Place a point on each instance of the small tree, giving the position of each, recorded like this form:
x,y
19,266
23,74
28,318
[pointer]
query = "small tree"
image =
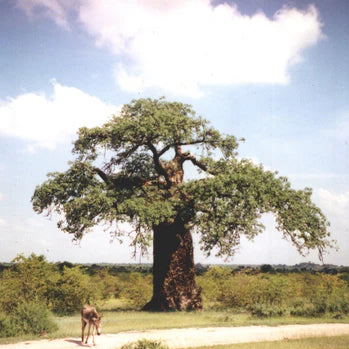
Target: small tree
x,y
73,290
28,280
132,169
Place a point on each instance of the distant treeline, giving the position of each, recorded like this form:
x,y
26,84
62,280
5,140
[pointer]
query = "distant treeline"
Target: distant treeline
x,y
145,268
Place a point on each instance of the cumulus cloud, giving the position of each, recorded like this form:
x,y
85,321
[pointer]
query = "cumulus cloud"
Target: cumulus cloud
x,y
47,121
183,46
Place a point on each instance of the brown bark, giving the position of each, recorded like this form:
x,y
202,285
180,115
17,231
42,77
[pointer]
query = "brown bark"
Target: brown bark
x,y
174,286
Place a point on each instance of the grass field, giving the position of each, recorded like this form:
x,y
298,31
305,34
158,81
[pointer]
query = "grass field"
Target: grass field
x,y
340,342
114,322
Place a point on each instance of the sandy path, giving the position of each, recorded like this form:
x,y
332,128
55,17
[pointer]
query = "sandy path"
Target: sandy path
x,y
194,337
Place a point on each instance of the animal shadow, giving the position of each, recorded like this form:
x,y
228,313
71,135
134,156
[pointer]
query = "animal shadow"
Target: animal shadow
x,y
77,342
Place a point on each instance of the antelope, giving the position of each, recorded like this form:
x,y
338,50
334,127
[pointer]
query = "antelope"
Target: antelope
x,y
90,316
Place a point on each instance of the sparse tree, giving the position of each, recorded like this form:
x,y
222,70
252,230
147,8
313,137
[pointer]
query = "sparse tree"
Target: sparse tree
x,y
134,169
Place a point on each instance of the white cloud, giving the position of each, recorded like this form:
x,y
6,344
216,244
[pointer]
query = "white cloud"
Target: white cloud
x,y
55,9
336,207
48,121
185,45
336,204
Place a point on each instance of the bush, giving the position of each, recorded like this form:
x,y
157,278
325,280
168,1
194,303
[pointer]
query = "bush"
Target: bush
x,y
265,294
307,310
144,344
136,288
262,310
6,327
73,290
27,280
33,279
28,318
109,285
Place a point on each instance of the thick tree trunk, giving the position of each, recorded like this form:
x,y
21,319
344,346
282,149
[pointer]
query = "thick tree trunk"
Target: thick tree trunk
x,y
174,286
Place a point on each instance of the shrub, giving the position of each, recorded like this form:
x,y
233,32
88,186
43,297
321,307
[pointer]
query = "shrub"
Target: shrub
x,y
262,310
109,285
27,280
266,294
136,288
307,310
33,318
28,318
6,327
72,291
144,344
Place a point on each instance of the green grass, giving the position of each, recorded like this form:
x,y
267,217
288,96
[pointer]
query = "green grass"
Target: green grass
x,y
339,342
119,321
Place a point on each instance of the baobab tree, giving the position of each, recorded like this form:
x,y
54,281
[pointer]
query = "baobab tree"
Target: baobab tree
x,y
133,169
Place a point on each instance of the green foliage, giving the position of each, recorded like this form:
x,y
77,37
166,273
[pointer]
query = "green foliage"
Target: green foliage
x,y
262,310
6,327
33,279
145,344
109,285
131,169
28,280
345,277
27,318
136,288
307,294
72,291
264,295
33,318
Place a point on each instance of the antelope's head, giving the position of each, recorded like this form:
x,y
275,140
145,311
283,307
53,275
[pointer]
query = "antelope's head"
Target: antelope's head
x,y
98,323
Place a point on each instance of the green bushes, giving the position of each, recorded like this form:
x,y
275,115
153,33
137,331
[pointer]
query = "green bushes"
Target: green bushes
x,y
72,290
263,310
144,344
33,318
28,280
33,279
27,318
265,294
6,328
32,287
136,289
243,290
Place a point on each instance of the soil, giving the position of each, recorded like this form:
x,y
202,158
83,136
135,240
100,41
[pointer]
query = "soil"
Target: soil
x,y
193,337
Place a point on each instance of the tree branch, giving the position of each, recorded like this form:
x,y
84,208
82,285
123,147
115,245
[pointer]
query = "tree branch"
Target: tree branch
x,y
158,165
196,162
128,152
179,144
102,175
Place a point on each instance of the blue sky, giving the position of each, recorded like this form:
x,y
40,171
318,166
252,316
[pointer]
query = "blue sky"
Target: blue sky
x,y
273,72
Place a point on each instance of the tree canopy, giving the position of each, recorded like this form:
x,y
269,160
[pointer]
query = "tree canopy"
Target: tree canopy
x,y
132,169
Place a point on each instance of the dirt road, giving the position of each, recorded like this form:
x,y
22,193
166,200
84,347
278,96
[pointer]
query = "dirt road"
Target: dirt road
x,y
194,337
